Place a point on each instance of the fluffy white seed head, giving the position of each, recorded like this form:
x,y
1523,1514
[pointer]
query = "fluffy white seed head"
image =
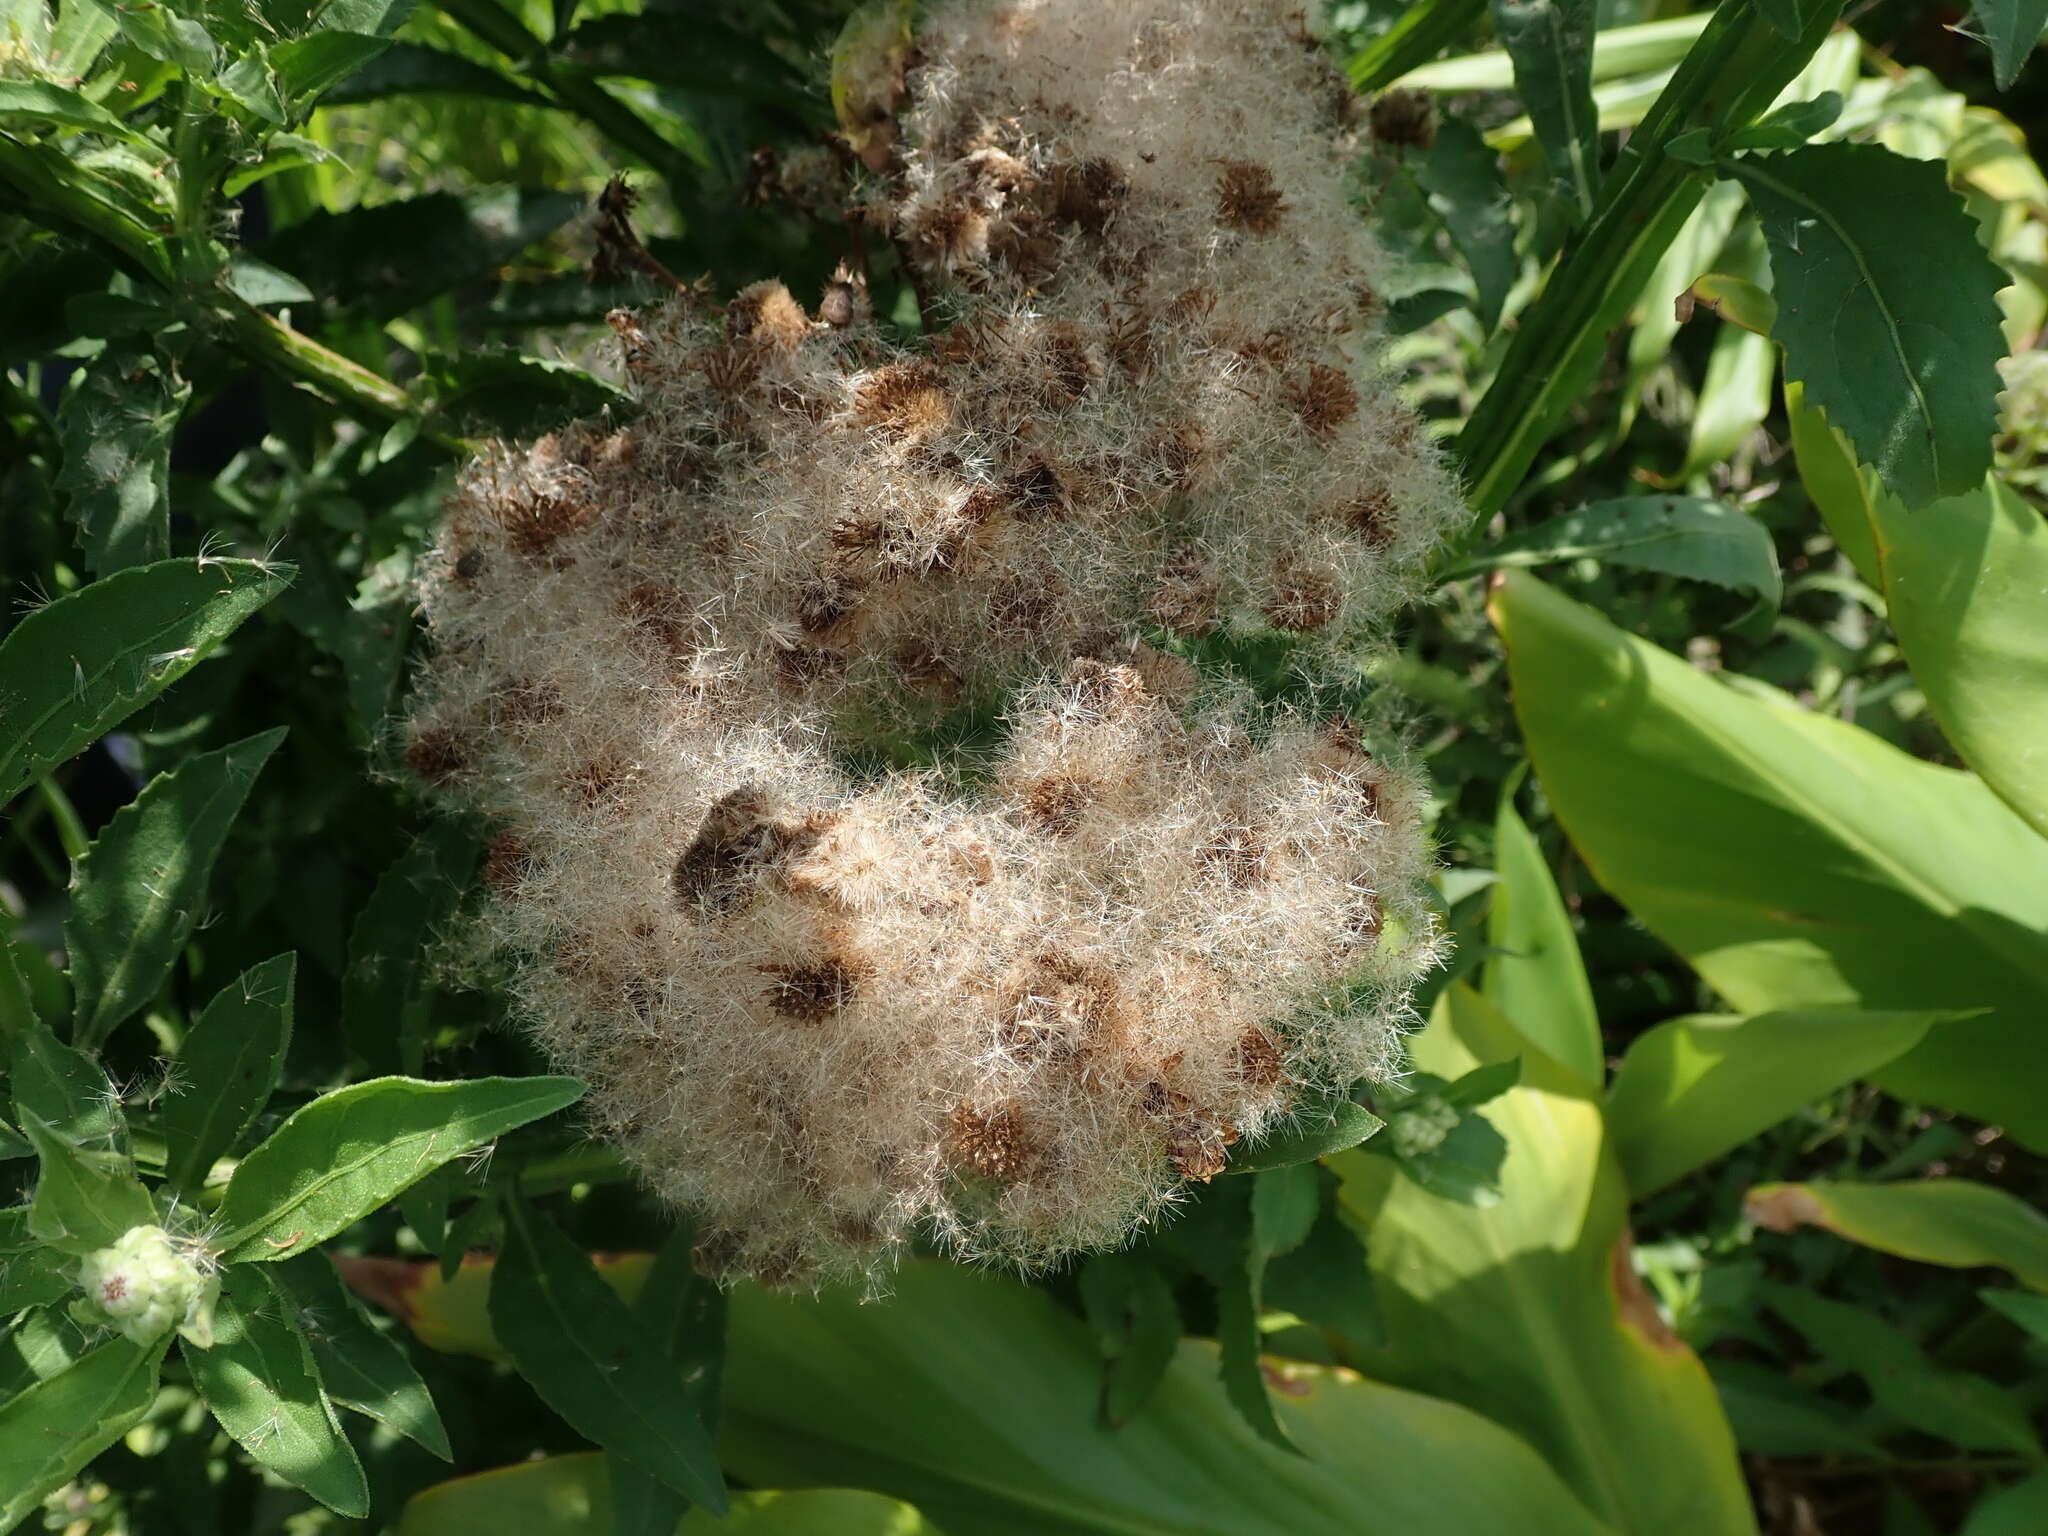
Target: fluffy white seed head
x,y
865,846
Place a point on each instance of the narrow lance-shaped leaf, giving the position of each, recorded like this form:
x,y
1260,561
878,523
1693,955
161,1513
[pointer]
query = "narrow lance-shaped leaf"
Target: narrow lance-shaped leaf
x,y
1535,975
227,1069
360,1368
140,889
73,670
1936,1221
260,1382
1551,43
348,1152
381,994
116,427
683,1317
575,1342
1906,367
49,1432
1462,177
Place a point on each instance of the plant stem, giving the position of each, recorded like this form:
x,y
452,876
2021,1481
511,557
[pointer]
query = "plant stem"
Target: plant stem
x,y
70,828
269,341
1731,75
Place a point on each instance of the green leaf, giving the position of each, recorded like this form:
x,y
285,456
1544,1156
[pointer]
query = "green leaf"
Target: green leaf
x,y
2019,1510
1907,368
1791,17
1936,1221
1318,1126
307,67
573,1339
140,889
1551,43
359,1367
697,53
63,1087
49,1432
260,1382
34,1278
85,1199
43,102
1795,861
1535,975
1419,33
76,668
1775,1415
1029,1458
1962,581
1734,398
1965,1410
259,283
1462,177
348,1152
1790,126
1528,1310
1686,536
574,1496
510,392
228,1066
413,69
683,1315
1696,1087
2023,1307
1325,1281
383,995
1130,1307
2012,28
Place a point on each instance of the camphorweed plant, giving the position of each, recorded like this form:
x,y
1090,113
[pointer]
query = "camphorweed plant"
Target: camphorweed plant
x,y
1011,998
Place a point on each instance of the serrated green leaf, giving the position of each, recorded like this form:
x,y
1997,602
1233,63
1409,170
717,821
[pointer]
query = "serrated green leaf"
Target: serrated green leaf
x,y
1551,44
359,1367
63,1087
260,1382
49,1432
1907,368
1955,1222
74,669
116,427
1325,1281
382,993
1136,1322
577,1344
34,1279
1682,535
228,1066
1965,1410
1465,186
1284,1206
1694,1088
140,889
309,65
2013,29
85,1198
348,1152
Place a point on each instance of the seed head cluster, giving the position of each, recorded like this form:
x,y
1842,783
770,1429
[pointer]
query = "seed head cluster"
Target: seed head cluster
x,y
870,843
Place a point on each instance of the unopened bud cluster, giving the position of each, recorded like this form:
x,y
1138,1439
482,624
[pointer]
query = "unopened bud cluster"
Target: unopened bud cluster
x,y
869,844
144,1285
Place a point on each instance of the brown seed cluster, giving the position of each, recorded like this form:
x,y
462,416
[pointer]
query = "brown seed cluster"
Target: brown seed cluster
x,y
1012,995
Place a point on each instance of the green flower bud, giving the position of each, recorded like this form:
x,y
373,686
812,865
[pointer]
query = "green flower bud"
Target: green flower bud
x,y
145,1285
1420,1128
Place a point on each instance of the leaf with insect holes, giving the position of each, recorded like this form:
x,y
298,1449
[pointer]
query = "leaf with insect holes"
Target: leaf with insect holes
x,y
75,668
139,890
228,1066
1905,365
50,1431
585,1354
85,1199
360,1367
116,427
260,1382
340,1157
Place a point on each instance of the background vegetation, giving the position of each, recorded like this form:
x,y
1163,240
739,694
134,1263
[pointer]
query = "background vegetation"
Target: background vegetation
x,y
1713,1202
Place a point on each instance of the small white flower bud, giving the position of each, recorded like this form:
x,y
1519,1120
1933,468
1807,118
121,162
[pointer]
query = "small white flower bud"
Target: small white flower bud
x,y
145,1285
1418,1129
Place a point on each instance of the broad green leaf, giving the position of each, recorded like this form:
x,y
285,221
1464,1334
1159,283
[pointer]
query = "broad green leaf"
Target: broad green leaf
x,y
1907,368
1734,398
34,1278
1534,975
348,1152
40,102
1937,1221
359,1367
74,669
116,426
2012,28
1319,1126
896,1397
1463,179
2018,1510
383,997
140,889
1963,583
260,1382
64,1088
572,1496
85,1199
1965,1410
227,1067
1130,1307
1325,1281
408,69
1686,536
49,1432
306,67
1528,1310
1551,44
581,1350
1696,1087
682,1316
1795,861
